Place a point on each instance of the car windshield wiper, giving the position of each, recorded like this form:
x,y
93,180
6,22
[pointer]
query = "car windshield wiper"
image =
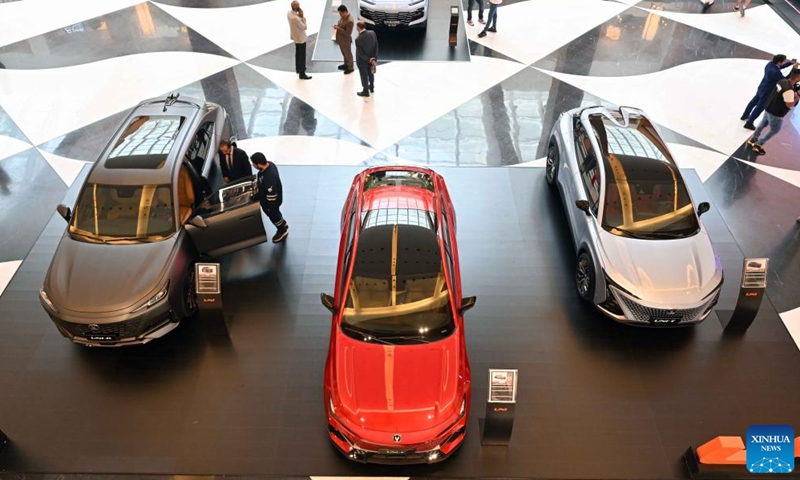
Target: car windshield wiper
x,y
627,232
90,239
419,338
127,239
367,337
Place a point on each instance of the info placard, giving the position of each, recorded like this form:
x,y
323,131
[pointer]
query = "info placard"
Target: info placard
x,y
207,278
502,386
754,273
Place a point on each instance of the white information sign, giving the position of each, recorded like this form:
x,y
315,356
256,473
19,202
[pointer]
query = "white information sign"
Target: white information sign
x,y
207,278
502,386
754,274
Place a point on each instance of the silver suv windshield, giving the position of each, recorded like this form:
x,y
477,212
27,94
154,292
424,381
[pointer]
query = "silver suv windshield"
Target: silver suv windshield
x,y
645,195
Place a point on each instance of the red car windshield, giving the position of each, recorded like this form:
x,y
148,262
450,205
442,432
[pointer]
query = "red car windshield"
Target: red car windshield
x,y
398,293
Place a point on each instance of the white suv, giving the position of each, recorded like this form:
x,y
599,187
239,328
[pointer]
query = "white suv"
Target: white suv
x,y
394,14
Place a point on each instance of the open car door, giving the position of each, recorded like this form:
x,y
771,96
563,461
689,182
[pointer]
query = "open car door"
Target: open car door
x,y
228,220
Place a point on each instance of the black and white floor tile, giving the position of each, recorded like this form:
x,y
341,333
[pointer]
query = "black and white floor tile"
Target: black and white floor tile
x,y
74,67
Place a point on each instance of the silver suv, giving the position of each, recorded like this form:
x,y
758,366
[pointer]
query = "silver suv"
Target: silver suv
x,y
644,257
123,272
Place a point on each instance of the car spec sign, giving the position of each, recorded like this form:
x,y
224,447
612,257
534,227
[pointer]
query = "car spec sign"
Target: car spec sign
x,y
207,278
754,274
502,386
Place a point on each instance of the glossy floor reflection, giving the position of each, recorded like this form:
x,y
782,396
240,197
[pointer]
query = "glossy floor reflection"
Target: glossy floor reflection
x,y
251,404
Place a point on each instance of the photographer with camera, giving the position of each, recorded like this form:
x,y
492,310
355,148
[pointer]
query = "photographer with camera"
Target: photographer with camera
x,y
782,99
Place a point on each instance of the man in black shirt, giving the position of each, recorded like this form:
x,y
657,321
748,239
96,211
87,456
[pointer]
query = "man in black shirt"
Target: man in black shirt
x,y
366,58
782,99
270,194
233,162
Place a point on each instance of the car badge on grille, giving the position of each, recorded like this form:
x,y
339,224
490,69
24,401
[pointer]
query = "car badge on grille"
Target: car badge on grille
x,y
671,312
397,438
94,327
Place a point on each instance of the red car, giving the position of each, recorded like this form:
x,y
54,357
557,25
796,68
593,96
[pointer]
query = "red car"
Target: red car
x,y
397,379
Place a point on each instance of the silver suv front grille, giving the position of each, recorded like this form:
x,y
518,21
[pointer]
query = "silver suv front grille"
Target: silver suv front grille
x,y
661,316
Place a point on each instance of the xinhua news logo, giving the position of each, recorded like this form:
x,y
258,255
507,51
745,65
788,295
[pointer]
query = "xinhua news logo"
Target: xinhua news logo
x,y
770,449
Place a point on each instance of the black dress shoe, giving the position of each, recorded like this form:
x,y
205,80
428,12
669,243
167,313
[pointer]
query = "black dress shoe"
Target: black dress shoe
x,y
363,94
342,67
482,34
491,29
744,117
749,126
305,77
372,89
348,72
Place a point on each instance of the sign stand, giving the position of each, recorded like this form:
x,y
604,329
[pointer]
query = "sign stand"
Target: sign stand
x,y
209,298
754,283
454,18
499,420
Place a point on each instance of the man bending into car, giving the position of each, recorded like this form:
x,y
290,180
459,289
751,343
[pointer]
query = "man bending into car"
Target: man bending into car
x,y
270,194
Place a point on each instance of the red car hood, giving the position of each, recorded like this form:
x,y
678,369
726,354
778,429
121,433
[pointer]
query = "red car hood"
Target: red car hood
x,y
398,389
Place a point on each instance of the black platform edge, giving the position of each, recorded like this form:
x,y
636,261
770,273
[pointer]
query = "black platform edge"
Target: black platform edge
x,y
700,471
787,10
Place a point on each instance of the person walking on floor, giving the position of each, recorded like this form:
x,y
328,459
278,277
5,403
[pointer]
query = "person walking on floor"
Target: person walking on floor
x,y
233,162
480,11
366,58
741,8
297,31
772,75
270,194
782,99
344,38
491,20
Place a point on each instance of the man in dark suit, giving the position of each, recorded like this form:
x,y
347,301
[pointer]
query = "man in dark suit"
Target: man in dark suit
x,y
234,162
366,58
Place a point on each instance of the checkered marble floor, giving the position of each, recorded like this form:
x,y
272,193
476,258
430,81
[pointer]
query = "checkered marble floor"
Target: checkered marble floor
x,y
73,68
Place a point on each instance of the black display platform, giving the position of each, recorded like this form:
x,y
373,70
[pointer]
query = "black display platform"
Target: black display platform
x,y
425,45
596,399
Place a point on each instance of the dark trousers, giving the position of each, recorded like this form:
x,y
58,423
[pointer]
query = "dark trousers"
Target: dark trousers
x,y
491,20
755,107
273,211
367,78
300,58
480,9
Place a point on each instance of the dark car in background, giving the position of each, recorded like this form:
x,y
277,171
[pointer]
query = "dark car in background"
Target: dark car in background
x,y
123,272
